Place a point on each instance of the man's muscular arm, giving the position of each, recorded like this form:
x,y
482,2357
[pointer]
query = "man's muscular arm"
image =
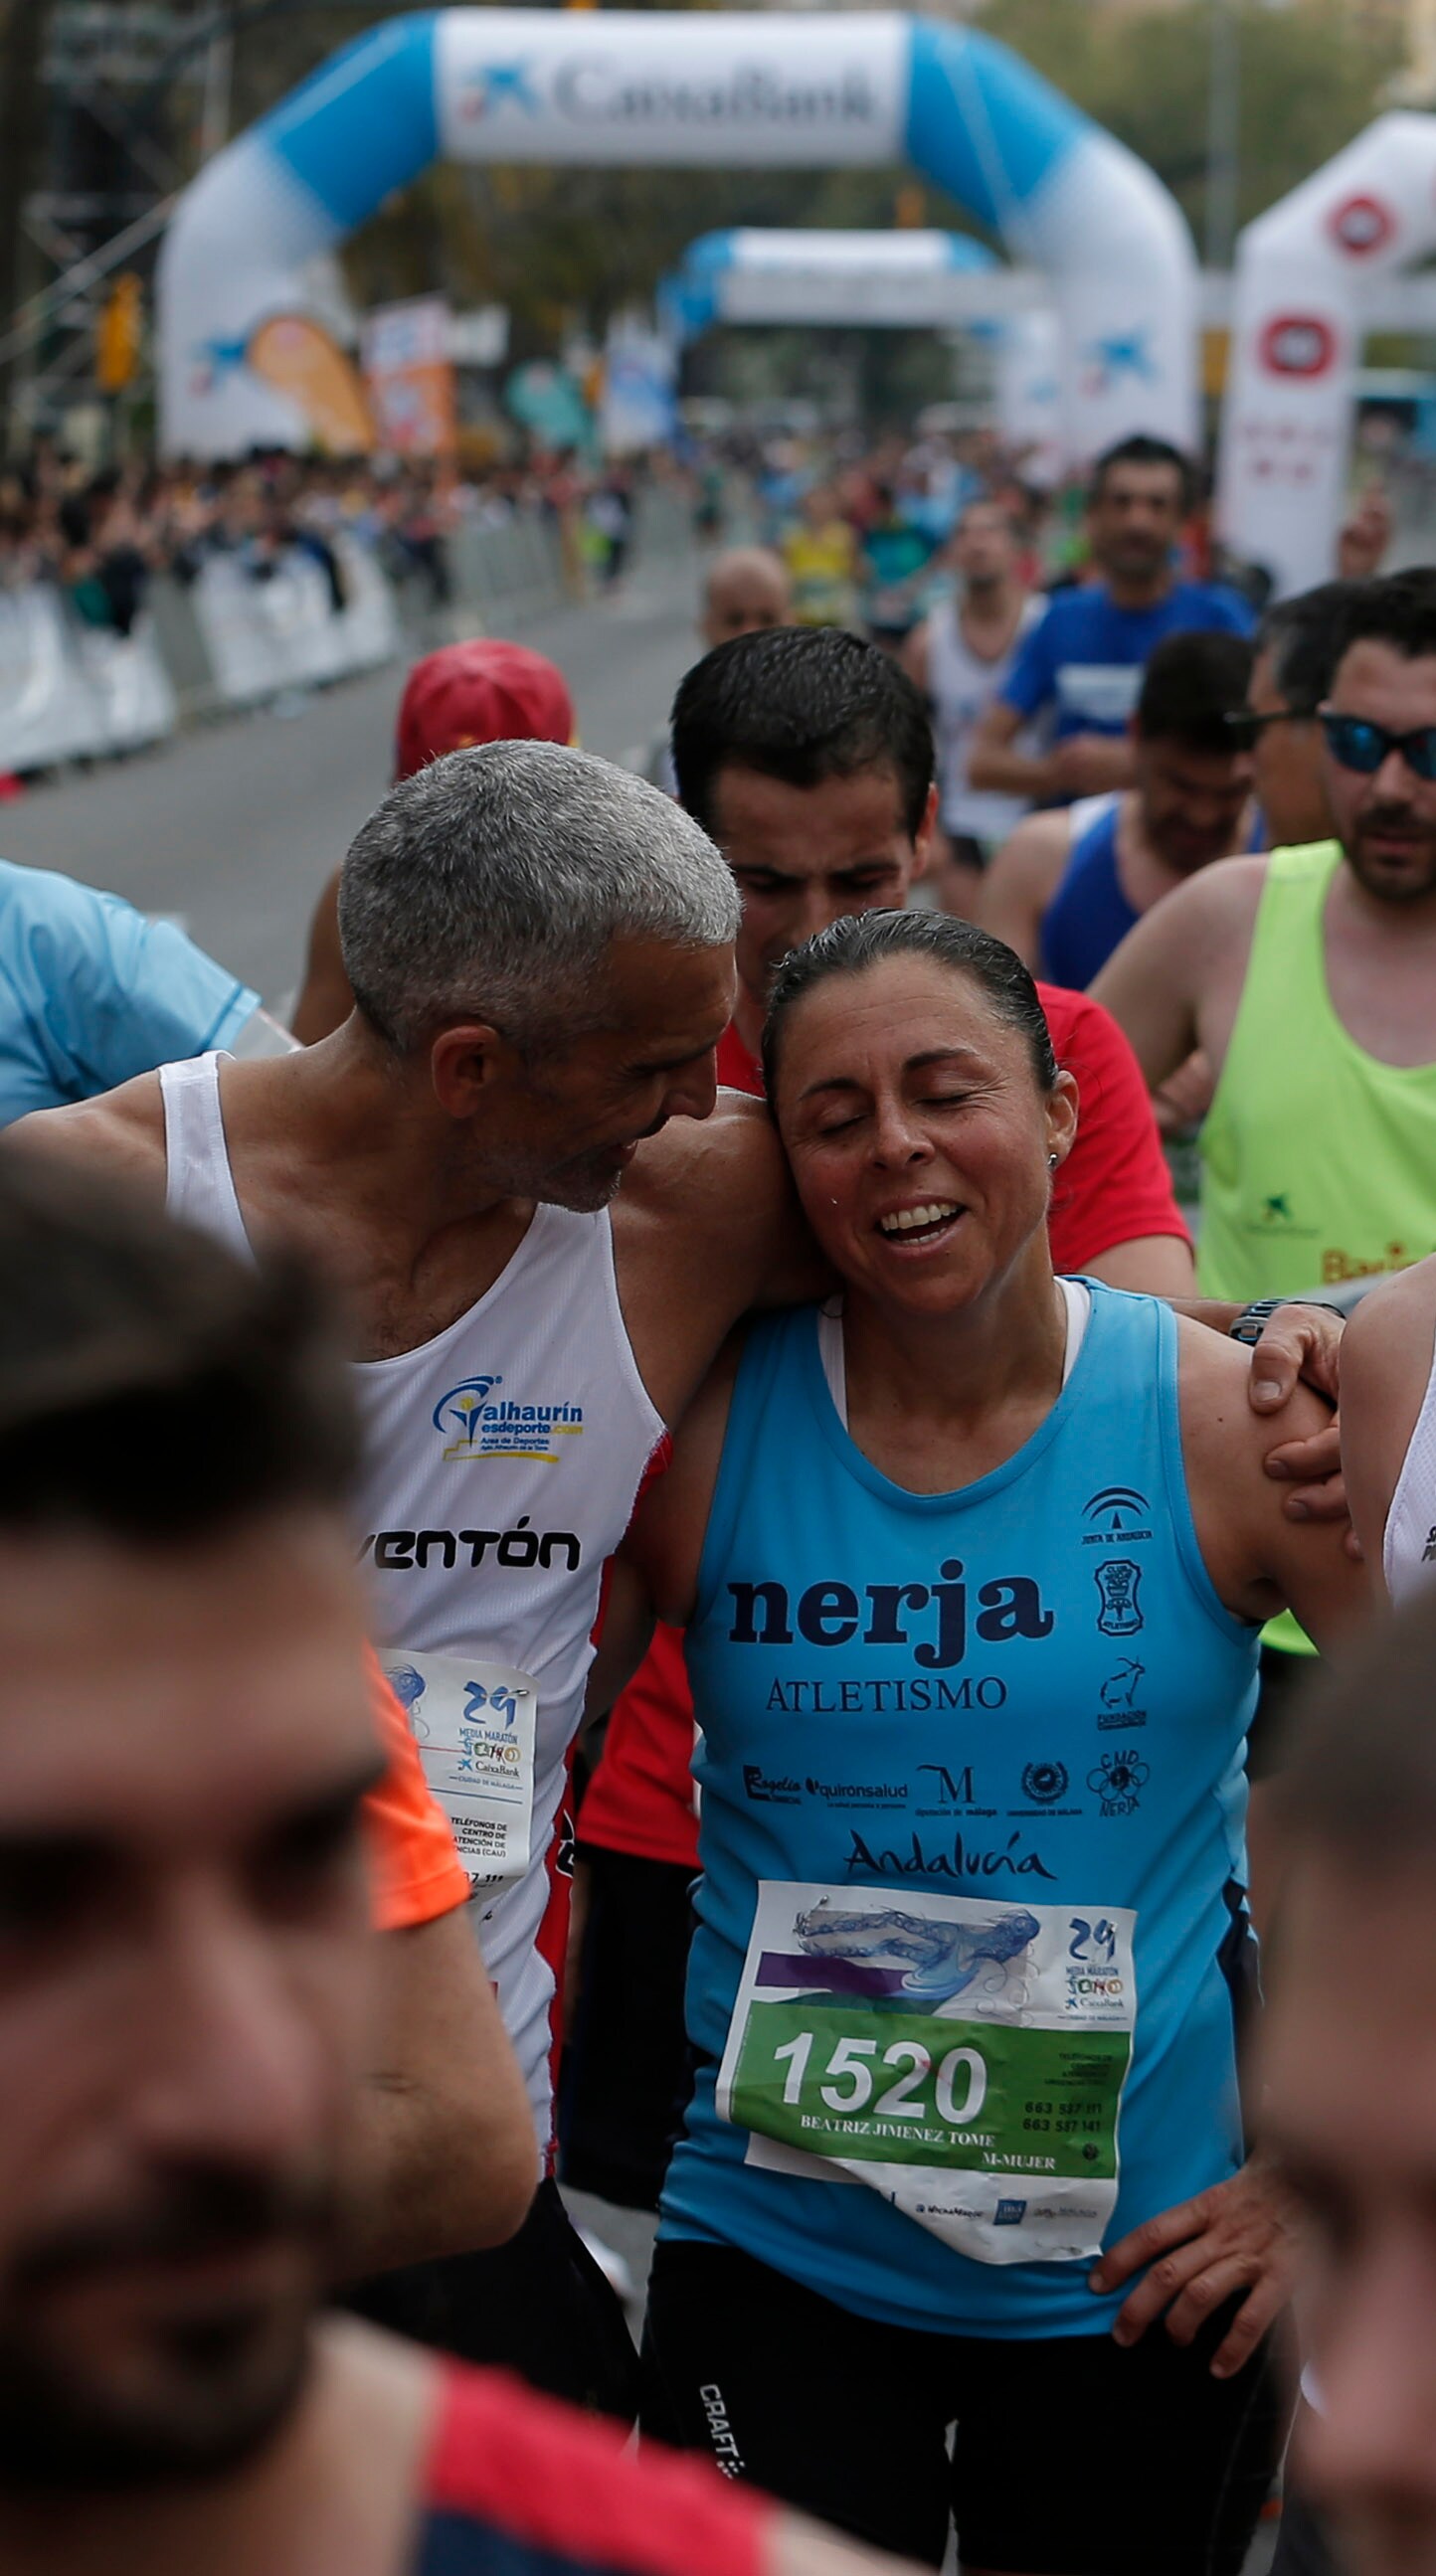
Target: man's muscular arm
x,y
706,1226
122,1132
1260,1559
1161,984
443,2157
1386,1360
1022,880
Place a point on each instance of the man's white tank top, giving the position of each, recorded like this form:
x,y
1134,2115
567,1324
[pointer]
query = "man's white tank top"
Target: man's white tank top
x,y
962,687
1408,1546
502,1460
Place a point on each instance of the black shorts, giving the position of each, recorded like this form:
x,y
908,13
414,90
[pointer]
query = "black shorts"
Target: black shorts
x,y
626,2070
1072,2456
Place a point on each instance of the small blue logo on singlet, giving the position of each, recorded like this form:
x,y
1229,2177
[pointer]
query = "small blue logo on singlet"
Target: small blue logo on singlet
x,y
476,1424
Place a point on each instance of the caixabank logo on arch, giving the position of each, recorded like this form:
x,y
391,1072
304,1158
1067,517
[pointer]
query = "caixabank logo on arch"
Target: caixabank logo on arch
x,y
476,1420
529,85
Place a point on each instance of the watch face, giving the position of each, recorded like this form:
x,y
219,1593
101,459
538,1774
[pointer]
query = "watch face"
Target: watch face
x,y
1252,1321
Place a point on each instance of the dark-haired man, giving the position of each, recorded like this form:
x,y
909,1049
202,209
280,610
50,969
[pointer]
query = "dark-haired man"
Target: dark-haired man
x,y
187,1974
1081,667
1068,886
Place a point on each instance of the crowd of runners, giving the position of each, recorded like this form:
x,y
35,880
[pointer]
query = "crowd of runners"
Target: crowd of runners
x,y
686,1377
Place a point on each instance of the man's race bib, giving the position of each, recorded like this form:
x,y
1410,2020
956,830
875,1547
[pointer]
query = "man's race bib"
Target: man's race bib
x,y
964,2058
474,1726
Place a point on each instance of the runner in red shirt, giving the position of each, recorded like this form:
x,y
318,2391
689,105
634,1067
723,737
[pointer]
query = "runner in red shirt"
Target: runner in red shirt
x,y
808,757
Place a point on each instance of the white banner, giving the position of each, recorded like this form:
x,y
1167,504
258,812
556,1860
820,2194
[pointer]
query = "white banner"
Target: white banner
x,y
625,86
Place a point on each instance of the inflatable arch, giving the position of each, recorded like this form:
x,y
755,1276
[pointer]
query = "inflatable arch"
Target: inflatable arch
x,y
648,88
892,280
1302,280
897,280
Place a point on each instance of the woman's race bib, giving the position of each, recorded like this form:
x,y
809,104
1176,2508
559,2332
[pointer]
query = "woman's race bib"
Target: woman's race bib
x,y
474,1726
963,2057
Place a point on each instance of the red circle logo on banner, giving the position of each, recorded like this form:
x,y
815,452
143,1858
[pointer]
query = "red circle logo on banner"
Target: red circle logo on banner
x,y
1361,225
1297,344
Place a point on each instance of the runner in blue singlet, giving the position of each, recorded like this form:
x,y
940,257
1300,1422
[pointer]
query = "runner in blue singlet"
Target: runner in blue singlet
x,y
972,1569
1068,885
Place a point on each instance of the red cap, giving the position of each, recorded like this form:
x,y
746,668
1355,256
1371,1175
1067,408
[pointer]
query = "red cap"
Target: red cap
x,y
481,691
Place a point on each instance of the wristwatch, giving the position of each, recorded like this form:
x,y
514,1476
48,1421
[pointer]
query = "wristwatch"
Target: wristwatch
x,y
1251,1323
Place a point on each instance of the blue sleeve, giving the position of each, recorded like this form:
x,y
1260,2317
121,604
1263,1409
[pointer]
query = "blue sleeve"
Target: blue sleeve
x,y
91,993
1231,612
1032,681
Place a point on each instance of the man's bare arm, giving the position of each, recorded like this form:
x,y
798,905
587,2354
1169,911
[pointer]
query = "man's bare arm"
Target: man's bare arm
x,y
122,1132
1150,986
1086,764
1386,1366
706,1226
1175,981
1151,1265
445,2159
1022,880
1260,1558
326,997
992,762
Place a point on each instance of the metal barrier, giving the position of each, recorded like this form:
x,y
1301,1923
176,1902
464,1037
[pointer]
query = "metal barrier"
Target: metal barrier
x,y
263,637
226,640
68,691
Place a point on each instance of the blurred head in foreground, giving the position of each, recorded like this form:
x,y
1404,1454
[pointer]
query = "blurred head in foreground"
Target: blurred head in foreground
x,y
1351,2069
184,1740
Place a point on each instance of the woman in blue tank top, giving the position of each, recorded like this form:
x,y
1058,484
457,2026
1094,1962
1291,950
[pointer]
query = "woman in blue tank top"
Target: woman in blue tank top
x,y
972,1565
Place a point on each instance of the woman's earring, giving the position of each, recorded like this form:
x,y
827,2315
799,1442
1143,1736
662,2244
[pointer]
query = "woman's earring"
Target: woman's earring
x,y
1052,1162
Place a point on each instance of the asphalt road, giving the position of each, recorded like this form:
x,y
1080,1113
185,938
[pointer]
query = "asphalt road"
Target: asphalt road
x,y
233,827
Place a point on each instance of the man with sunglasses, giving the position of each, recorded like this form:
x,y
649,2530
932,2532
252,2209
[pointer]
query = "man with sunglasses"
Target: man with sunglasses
x,y
1308,975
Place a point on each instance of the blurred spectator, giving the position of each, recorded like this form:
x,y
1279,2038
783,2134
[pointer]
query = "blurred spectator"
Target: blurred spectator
x,y
960,658
820,550
1081,668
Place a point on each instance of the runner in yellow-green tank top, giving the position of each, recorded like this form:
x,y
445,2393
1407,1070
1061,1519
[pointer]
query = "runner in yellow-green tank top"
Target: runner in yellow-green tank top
x,y
1319,1150
1318,1161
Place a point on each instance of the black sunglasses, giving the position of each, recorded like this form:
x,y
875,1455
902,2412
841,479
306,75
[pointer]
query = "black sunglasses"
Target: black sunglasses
x,y
1359,744
1246,727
